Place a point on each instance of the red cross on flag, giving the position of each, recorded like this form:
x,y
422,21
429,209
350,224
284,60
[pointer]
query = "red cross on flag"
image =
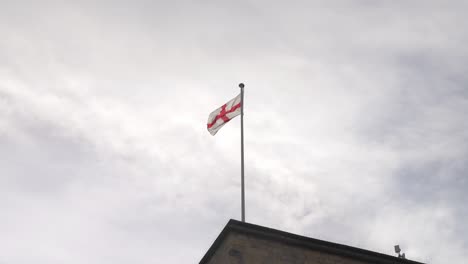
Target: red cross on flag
x,y
219,117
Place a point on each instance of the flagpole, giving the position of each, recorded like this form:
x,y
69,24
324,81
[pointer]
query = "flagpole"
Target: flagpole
x,y
241,86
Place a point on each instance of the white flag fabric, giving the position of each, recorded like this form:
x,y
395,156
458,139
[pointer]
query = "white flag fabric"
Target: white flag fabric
x,y
219,117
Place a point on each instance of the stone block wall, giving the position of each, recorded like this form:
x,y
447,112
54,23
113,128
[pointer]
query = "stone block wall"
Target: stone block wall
x,y
239,248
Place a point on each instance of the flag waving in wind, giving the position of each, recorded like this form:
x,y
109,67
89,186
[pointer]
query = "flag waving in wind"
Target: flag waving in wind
x,y
219,117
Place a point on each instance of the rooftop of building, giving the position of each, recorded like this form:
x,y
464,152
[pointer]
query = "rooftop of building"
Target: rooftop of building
x,y
303,242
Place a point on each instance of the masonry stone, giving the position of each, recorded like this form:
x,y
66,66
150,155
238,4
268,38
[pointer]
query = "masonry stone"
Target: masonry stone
x,y
243,243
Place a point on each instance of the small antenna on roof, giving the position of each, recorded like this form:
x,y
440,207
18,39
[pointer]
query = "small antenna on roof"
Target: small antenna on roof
x,y
398,250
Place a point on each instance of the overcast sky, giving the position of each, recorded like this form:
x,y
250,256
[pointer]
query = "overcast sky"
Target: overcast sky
x,y
355,126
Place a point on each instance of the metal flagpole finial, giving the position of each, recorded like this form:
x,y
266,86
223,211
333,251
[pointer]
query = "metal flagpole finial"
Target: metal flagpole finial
x,y
241,85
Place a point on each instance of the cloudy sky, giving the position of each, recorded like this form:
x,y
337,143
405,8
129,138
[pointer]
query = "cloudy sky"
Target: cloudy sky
x,y
355,126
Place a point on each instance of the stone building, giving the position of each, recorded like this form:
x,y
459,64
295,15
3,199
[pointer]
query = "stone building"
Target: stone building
x,y
244,243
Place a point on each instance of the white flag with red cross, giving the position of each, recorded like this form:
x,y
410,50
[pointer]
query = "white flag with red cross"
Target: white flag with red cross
x,y
219,117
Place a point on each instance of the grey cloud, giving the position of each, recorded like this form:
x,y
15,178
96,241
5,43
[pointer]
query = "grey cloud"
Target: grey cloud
x,y
355,127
